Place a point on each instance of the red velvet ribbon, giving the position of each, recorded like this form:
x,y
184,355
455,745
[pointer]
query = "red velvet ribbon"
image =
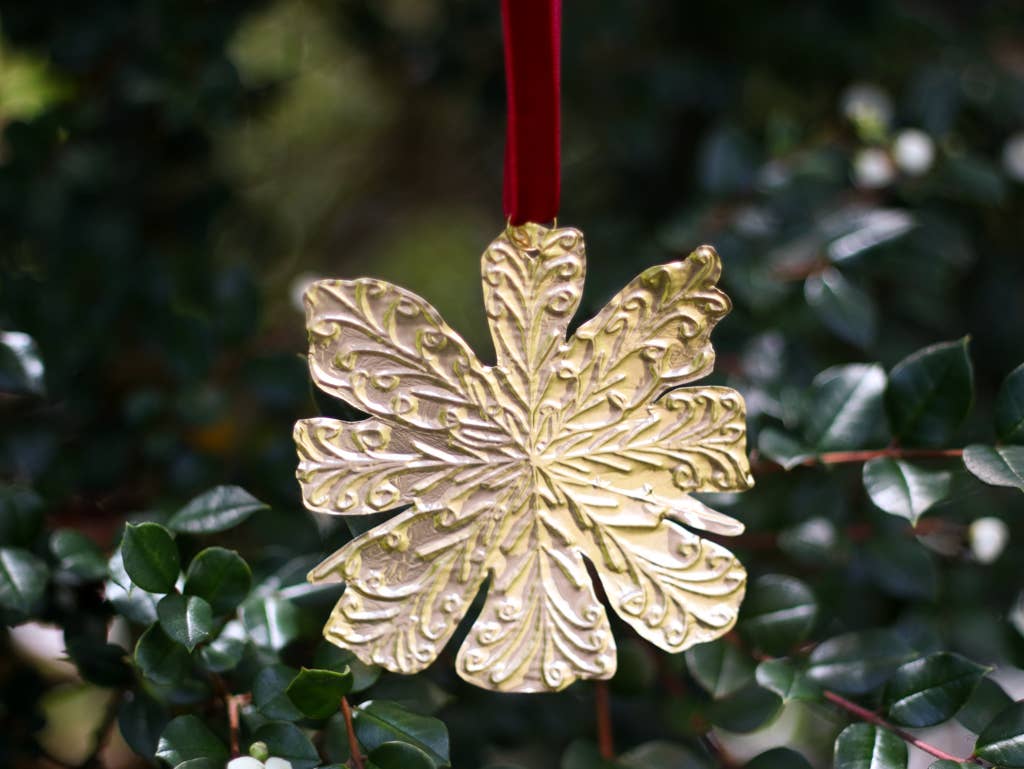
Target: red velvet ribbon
x,y
533,31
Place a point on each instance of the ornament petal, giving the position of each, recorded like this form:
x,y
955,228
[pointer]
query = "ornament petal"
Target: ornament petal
x,y
675,588
541,627
408,583
388,352
652,336
532,281
692,440
369,466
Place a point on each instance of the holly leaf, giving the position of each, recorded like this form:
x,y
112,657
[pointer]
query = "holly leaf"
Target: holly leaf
x,y
216,510
141,720
186,619
1002,741
986,702
270,693
160,659
187,739
931,690
845,408
271,622
900,488
221,577
783,449
846,310
782,677
779,612
317,693
400,755
720,668
288,742
379,721
996,465
866,746
855,663
746,710
150,557
930,394
1009,407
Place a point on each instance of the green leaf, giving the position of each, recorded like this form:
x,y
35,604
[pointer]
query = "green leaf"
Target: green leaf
x,y
1002,741
902,567
130,601
78,555
931,690
778,758
23,579
720,667
187,738
856,663
186,619
330,657
660,754
866,746
99,662
218,509
141,721
160,659
221,577
270,621
1009,408
288,741
930,394
746,710
21,516
779,612
582,754
996,465
782,677
318,693
21,366
270,693
379,721
845,408
900,488
150,557
225,651
845,310
782,448
400,755
986,702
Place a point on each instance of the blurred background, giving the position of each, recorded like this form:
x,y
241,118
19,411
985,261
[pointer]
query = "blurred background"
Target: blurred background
x,y
172,174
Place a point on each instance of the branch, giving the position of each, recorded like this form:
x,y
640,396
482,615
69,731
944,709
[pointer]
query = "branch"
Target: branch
x,y
353,744
910,739
602,703
234,703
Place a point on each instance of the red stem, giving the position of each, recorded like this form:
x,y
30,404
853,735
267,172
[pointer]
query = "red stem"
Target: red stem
x,y
602,704
353,744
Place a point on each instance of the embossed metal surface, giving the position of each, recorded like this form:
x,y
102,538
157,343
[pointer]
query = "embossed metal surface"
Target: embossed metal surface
x,y
519,473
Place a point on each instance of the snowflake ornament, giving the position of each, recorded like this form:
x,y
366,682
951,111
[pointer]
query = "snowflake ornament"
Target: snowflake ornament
x,y
567,451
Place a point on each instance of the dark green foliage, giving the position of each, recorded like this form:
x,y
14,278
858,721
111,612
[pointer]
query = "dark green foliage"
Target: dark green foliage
x,y
171,174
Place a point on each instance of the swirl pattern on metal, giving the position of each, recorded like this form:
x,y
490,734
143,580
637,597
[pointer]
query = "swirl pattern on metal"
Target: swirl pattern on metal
x,y
567,451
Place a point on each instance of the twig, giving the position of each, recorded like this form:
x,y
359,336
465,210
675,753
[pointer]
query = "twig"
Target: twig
x,y
765,465
234,703
353,744
603,707
877,720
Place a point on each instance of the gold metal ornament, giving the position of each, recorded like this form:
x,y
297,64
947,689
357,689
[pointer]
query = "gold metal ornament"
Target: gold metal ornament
x,y
566,451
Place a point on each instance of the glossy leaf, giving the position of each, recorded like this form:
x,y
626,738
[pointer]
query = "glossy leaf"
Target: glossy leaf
x,y
187,620
270,693
287,741
900,488
400,755
931,690
778,613
856,663
270,621
782,677
187,738
379,721
160,659
721,668
99,662
996,465
218,509
151,557
141,720
986,702
78,555
866,746
1009,408
782,448
317,693
1002,741
747,710
930,394
221,577
225,651
901,566
23,579
845,309
330,657
845,408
